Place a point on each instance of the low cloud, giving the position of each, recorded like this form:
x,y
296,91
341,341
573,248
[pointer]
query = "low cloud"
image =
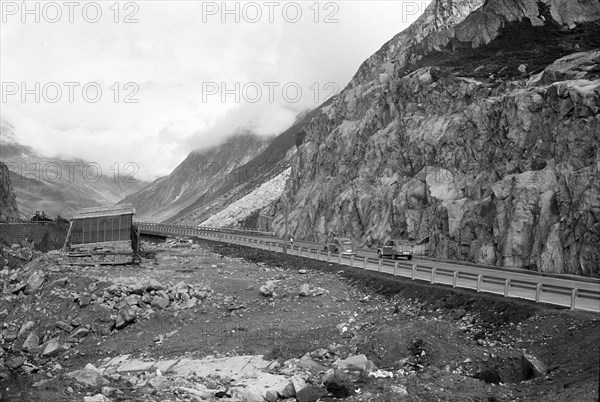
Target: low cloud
x,y
184,74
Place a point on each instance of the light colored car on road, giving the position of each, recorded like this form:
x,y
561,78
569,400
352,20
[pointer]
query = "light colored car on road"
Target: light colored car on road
x,y
395,249
340,245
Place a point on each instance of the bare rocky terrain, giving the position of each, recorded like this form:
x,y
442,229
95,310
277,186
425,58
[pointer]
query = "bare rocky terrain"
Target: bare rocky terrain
x,y
212,321
9,211
476,128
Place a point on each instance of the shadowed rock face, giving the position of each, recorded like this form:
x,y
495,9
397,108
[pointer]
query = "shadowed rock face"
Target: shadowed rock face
x,y
462,129
9,211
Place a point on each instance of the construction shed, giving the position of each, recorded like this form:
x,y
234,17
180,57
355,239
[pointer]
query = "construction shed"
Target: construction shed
x,y
103,235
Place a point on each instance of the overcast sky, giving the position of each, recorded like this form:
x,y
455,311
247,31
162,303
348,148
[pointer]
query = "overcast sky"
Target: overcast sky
x,y
175,58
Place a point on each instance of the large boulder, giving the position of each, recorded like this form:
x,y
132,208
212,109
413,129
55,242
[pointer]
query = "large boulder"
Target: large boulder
x,y
159,302
356,363
304,290
153,284
35,282
32,342
25,329
125,316
53,348
267,289
532,367
89,376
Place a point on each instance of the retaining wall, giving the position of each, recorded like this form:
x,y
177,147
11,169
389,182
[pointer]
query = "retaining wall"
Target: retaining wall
x,y
11,233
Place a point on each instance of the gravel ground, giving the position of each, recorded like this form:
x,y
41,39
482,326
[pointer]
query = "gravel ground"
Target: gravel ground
x,y
306,318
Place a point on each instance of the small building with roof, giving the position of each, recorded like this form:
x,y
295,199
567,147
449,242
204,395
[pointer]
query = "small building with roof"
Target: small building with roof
x,y
103,235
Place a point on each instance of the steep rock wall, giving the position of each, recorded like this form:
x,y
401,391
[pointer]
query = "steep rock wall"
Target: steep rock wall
x,y
9,212
503,172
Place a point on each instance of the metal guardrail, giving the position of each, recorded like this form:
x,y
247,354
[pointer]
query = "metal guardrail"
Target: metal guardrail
x,y
582,295
186,230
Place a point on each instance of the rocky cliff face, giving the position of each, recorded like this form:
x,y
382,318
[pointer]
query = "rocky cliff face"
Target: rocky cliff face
x,y
9,212
477,128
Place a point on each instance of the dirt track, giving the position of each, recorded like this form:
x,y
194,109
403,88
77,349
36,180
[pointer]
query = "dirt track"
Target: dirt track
x,y
434,342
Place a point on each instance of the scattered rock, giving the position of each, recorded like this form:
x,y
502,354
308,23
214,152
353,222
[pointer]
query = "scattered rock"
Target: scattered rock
x,y
153,284
15,363
60,282
381,374
53,348
311,394
267,289
288,391
203,294
108,391
399,389
125,316
336,375
159,302
25,329
31,342
158,382
235,307
84,300
271,396
90,376
533,367
304,290
357,362
35,282
190,303
96,398
298,383
80,333
319,353
64,326
459,313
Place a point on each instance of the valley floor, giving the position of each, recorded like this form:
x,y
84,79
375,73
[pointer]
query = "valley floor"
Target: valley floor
x,y
211,321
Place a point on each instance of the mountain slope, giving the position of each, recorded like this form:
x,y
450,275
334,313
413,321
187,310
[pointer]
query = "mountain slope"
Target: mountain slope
x,y
477,128
199,174
9,211
57,186
268,164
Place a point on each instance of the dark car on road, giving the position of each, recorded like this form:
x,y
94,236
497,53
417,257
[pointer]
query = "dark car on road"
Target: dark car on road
x,y
395,249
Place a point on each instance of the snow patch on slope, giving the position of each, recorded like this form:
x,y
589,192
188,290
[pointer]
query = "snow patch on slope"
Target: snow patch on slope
x,y
245,206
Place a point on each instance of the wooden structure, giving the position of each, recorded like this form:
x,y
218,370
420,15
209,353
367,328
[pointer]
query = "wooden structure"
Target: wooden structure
x,y
103,235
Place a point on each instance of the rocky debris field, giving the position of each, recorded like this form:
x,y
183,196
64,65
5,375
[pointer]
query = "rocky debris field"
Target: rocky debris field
x,y
17,254
207,321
